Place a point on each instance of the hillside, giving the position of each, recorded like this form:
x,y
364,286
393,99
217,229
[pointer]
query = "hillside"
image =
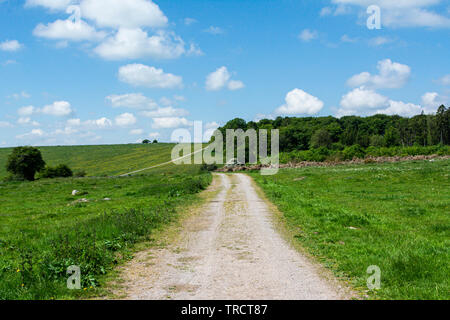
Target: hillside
x,y
100,160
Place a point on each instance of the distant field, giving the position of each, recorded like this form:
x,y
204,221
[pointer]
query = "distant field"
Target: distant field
x,y
101,160
395,216
44,229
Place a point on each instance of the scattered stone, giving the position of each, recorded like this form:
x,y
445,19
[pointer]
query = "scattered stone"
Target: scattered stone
x,y
353,228
107,199
75,192
300,179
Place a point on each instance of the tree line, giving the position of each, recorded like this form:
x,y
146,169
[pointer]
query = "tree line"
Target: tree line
x,y
332,133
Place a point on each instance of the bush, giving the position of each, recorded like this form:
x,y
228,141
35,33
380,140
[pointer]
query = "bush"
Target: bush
x,y
355,151
24,162
60,171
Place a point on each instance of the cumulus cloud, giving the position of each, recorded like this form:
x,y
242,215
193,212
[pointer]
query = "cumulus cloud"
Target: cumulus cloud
x,y
57,109
73,30
170,123
125,119
433,100
300,102
391,75
49,4
220,78
403,13
35,133
379,41
127,14
150,77
10,45
308,35
101,123
136,43
131,100
26,111
362,101
401,108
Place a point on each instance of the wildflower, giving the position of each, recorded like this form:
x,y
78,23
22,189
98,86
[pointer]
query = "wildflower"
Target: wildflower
x,y
18,270
23,285
84,288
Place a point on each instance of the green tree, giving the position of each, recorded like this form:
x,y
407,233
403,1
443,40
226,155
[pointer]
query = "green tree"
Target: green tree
x,y
25,162
155,141
321,138
146,141
392,137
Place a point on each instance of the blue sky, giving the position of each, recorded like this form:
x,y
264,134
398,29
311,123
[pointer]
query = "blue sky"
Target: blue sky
x,y
112,71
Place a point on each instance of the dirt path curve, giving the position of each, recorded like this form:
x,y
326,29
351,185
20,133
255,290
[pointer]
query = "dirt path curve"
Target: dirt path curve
x,y
229,251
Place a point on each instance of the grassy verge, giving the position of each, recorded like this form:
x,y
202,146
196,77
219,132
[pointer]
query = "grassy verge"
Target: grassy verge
x,y
394,216
44,229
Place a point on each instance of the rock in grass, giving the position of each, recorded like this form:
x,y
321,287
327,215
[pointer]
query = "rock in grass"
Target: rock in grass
x,y
75,192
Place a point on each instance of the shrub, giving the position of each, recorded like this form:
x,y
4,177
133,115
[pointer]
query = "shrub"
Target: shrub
x,y
355,151
60,171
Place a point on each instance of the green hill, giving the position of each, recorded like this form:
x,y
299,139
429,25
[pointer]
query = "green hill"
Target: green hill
x,y
101,160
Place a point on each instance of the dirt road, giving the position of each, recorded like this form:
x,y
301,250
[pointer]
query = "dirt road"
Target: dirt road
x,y
231,250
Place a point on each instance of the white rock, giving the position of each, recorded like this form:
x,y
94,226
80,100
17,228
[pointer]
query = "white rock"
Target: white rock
x,y
75,192
107,199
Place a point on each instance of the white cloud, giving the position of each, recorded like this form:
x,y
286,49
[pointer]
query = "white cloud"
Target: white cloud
x,y
136,43
27,121
189,21
165,113
131,100
49,4
154,135
150,77
300,102
221,78
26,111
235,85
5,124
127,14
125,119
391,75
10,45
361,101
326,11
77,30
170,122
20,95
35,133
101,123
215,30
308,35
136,132
379,41
401,108
58,109
432,101
346,38
445,80
404,13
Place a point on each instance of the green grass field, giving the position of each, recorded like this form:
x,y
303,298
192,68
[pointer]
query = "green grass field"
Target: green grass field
x,y
400,219
44,229
100,160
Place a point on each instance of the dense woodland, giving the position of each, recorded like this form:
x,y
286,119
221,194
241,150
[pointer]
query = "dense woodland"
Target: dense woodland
x,y
358,136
